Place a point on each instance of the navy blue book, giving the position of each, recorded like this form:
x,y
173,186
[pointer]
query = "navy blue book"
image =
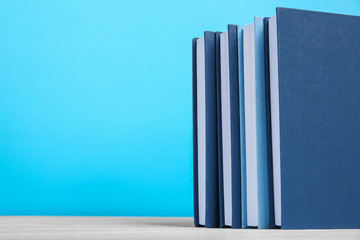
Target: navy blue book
x,y
230,127
235,126
270,217
206,182
315,114
219,131
195,144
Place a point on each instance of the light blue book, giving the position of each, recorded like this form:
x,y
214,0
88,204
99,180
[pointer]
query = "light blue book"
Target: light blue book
x,y
262,144
255,168
240,31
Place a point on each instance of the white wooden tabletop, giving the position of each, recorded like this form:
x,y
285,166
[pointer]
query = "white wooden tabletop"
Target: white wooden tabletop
x,y
145,228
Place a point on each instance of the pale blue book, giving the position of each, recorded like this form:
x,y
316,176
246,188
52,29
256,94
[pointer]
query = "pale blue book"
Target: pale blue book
x,y
258,182
240,31
265,212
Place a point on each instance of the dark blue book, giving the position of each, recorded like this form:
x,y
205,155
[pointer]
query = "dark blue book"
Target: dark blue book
x,y
230,127
195,144
235,126
206,177
219,131
315,112
270,217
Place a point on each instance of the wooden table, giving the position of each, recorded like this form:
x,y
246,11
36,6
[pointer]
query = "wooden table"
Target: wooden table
x,y
145,228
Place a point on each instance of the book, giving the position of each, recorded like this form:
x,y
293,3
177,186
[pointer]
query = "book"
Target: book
x,y
235,127
251,192
315,116
230,127
240,30
270,186
206,176
219,130
195,143
264,182
259,192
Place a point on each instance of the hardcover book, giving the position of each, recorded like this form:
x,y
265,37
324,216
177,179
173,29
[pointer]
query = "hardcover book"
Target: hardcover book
x,y
258,174
315,113
206,184
230,127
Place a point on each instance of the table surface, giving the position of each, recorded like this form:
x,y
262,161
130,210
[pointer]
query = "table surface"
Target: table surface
x,y
30,227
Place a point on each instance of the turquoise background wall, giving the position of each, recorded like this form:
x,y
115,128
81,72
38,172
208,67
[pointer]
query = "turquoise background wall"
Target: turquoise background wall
x,y
95,101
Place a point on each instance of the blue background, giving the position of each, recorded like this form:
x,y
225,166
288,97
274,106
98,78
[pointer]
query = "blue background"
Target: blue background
x,y
95,101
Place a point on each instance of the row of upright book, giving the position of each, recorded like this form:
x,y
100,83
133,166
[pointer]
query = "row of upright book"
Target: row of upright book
x,y
276,123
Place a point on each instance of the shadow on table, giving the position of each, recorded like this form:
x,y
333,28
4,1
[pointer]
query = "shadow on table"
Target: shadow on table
x,y
176,222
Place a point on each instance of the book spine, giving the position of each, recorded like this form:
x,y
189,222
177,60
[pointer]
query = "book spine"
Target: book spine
x,y
212,183
261,129
219,131
268,123
195,143
235,127
242,127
